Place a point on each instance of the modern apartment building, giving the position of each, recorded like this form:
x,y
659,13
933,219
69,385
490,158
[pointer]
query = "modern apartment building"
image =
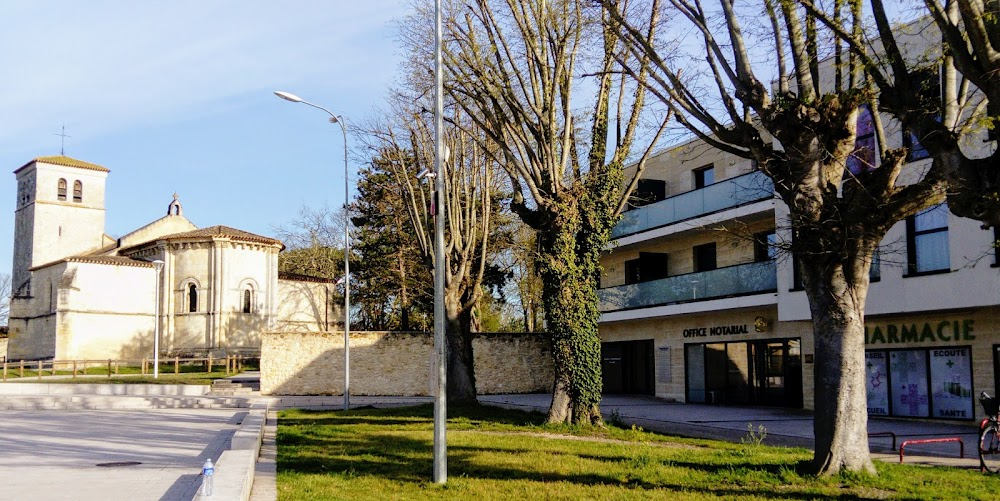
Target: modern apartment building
x,y
697,306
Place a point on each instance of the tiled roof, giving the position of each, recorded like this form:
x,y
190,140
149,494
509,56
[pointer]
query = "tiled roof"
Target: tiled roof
x,y
115,260
66,161
111,260
304,278
224,232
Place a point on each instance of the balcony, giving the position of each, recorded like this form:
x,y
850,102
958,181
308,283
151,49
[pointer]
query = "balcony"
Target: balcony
x,y
739,280
733,192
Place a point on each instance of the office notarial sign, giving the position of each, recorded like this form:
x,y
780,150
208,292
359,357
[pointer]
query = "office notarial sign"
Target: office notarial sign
x,y
920,332
718,330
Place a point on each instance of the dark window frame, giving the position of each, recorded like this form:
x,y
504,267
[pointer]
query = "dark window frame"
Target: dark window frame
x,y
61,190
763,247
700,180
697,251
860,160
77,191
912,234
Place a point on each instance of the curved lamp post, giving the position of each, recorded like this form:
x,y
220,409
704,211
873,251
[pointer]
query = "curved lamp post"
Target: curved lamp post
x,y
334,119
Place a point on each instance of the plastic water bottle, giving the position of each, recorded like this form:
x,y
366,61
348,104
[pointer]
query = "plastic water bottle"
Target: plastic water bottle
x,y
208,474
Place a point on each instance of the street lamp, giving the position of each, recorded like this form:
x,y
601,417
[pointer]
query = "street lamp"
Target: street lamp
x,y
334,119
158,266
440,471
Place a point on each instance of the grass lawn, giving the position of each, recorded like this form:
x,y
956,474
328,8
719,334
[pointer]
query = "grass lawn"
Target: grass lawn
x,y
501,454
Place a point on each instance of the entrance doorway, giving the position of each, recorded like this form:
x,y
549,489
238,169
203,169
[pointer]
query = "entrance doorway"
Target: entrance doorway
x,y
763,372
627,367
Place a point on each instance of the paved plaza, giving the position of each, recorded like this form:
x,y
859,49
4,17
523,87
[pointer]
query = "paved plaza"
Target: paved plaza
x,y
147,454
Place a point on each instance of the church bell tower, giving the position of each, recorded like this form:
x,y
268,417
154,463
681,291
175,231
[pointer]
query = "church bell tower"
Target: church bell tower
x,y
59,213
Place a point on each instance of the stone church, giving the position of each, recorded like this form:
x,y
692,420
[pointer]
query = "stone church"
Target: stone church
x,y
79,294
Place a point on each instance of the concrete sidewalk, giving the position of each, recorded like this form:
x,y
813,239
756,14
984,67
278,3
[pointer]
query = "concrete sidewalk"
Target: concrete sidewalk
x,y
786,427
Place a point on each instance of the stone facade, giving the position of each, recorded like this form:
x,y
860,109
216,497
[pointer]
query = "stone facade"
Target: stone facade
x,y
394,363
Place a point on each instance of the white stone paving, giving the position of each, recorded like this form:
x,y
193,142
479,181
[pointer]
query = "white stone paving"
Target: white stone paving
x,y
53,455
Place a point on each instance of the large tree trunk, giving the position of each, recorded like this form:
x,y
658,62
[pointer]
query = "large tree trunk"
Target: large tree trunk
x,y
461,385
837,291
570,296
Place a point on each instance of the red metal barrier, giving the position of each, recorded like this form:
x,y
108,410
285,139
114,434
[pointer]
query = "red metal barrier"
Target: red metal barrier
x,y
961,444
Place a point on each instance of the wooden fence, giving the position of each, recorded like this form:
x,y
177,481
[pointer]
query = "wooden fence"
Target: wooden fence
x,y
233,364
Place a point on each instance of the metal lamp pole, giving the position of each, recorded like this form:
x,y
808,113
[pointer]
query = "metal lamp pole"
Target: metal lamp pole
x,y
158,266
334,119
440,346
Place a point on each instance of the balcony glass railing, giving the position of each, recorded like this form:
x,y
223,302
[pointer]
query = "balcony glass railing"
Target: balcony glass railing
x,y
726,194
739,280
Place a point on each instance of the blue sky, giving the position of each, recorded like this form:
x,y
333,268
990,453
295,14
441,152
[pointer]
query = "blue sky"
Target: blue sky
x,y
177,96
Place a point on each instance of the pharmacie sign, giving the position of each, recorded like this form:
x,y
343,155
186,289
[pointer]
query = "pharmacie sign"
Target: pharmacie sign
x,y
718,330
920,332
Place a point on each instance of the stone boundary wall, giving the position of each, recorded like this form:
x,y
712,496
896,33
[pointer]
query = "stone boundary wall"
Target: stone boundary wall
x,y
397,363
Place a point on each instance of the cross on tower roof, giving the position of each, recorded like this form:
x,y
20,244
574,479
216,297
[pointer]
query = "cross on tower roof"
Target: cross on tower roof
x,y
62,145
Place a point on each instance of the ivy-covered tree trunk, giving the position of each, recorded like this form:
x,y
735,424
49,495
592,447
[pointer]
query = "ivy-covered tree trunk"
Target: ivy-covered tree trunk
x,y
569,265
461,384
570,299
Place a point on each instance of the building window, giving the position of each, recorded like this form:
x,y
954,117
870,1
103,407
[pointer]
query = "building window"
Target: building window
x,y
765,246
192,293
646,192
704,257
247,301
927,241
77,191
704,176
915,150
875,270
649,266
864,158
61,190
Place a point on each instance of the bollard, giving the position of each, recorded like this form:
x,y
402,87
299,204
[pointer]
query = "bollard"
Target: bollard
x,y
109,367
116,367
39,369
74,368
5,371
177,364
22,368
143,366
209,363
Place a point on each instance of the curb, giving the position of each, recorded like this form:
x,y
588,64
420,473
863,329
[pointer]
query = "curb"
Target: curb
x,y
235,468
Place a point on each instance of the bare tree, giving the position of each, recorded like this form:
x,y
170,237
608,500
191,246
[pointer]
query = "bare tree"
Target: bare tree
x,y
517,68
314,243
801,132
403,144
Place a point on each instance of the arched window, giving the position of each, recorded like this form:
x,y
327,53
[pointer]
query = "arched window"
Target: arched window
x,y
77,191
247,301
61,190
192,298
